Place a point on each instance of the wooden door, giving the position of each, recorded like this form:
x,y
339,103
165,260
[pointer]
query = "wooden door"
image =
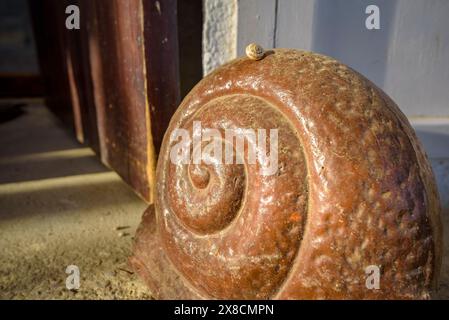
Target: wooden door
x,y
116,79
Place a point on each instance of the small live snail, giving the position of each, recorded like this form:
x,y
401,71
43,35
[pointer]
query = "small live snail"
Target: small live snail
x,y
254,51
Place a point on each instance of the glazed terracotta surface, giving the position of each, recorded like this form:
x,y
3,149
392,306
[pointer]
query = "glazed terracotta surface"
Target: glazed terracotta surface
x,y
353,189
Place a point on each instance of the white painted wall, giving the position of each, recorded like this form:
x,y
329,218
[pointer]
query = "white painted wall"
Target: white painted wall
x,y
219,33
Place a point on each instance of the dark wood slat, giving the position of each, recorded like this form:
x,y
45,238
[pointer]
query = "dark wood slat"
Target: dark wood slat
x,y
20,86
82,86
162,63
190,24
118,70
48,19
117,79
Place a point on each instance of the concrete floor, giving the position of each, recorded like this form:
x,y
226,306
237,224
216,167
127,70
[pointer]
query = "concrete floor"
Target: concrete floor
x,y
59,206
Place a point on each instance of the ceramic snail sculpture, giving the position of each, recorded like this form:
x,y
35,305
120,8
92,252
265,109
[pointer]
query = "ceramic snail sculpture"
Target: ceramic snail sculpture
x,y
353,191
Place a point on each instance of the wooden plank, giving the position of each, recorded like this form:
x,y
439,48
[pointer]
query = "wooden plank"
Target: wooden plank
x,y
20,85
48,21
80,76
162,63
190,23
118,75
73,76
119,89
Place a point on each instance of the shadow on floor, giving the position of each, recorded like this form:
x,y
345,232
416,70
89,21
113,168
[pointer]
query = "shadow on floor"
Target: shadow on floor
x,y
34,147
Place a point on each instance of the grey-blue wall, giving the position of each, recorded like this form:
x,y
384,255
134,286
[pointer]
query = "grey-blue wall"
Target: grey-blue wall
x,y
408,57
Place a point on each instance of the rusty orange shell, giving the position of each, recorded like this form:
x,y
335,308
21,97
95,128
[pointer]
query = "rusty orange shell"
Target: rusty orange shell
x,y
353,189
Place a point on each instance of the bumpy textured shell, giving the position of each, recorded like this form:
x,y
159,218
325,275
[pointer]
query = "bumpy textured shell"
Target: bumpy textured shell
x,y
353,189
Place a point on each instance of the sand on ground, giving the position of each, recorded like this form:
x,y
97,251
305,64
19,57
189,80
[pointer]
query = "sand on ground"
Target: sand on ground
x,y
60,206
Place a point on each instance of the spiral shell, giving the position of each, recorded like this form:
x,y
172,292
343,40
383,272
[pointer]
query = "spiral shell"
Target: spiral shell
x,y
254,51
353,189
